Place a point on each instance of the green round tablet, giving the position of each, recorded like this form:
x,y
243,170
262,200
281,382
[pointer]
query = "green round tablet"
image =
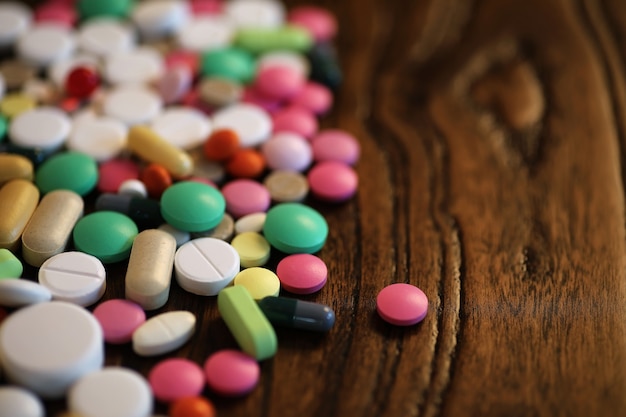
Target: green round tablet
x,y
104,8
295,228
107,235
192,206
231,63
73,171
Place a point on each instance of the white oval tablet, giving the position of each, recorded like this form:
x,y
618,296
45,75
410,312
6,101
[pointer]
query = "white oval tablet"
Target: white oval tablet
x,y
58,71
132,104
18,402
105,36
206,265
111,392
256,13
252,222
293,60
102,138
15,19
47,347
22,292
183,127
2,86
42,127
45,43
159,18
75,277
204,33
252,123
164,333
134,188
139,66
180,236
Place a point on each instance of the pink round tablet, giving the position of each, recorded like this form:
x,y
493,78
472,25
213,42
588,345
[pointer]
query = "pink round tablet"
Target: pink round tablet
x,y
402,304
295,119
333,181
253,96
175,378
112,173
302,273
335,145
244,196
320,23
202,7
287,151
57,13
314,97
174,84
231,372
119,319
279,81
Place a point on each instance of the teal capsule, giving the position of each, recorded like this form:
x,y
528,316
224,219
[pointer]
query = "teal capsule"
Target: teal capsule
x,y
261,40
289,312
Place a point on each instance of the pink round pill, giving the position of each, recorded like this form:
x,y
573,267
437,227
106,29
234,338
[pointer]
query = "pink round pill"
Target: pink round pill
x,y
295,119
244,196
335,145
402,304
279,81
203,7
174,84
314,97
57,13
175,378
253,96
320,23
287,151
333,181
112,173
231,373
302,273
119,319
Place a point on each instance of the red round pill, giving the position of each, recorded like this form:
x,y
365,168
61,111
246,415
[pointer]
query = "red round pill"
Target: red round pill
x,y
402,304
81,82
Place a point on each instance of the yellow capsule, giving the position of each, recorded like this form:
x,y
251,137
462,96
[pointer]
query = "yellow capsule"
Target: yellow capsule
x,y
14,104
18,201
13,166
151,147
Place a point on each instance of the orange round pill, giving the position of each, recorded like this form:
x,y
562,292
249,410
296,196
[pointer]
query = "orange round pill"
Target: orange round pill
x,y
156,179
221,145
246,163
192,407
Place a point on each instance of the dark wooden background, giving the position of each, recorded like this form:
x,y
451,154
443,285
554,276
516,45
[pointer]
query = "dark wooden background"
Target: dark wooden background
x,y
493,139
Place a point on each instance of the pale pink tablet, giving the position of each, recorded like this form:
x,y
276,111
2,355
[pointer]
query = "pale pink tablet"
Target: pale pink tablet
x,y
174,84
302,273
402,304
252,96
119,319
295,119
320,23
279,81
231,373
245,196
287,151
112,173
176,378
333,181
335,145
314,97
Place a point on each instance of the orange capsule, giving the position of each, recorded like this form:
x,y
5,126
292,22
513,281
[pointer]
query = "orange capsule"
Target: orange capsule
x,y
156,179
246,163
221,145
192,407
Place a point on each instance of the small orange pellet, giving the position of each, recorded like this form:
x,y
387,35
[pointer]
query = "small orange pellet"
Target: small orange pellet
x,y
221,145
246,163
192,407
156,179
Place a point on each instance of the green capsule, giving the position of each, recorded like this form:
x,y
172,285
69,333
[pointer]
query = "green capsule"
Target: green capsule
x,y
10,265
104,8
230,63
261,40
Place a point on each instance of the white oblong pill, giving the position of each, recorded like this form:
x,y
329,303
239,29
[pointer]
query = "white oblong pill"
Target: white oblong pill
x,y
183,127
15,19
252,222
102,138
206,265
111,392
158,18
22,292
204,33
256,13
164,333
43,127
105,36
132,104
18,402
47,347
45,43
75,277
139,66
252,123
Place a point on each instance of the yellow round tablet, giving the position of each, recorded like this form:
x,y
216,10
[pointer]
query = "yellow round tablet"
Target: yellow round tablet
x,y
252,248
14,104
260,282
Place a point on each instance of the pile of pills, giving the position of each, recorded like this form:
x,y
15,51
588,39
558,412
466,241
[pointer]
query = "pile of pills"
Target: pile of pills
x,y
182,138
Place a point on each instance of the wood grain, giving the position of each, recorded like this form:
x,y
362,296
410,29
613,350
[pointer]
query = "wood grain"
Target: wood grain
x,y
493,139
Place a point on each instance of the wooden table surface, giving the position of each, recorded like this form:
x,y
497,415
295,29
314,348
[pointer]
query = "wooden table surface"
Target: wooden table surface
x,y
493,139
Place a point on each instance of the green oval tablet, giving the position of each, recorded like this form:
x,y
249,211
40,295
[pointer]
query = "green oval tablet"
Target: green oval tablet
x,y
4,124
295,228
192,206
107,235
261,40
103,8
73,171
231,63
10,265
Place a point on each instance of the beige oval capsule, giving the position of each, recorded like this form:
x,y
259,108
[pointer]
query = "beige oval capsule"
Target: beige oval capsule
x,y
13,166
220,92
149,272
18,201
50,227
151,147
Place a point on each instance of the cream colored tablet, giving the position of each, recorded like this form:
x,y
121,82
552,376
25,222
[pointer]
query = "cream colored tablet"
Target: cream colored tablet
x,y
164,333
18,402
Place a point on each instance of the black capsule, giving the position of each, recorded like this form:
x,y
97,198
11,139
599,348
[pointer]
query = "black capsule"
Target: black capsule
x,y
289,312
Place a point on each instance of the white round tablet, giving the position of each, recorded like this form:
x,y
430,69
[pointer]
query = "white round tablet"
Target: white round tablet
x,y
58,71
256,13
133,188
111,392
105,36
287,151
15,19
22,292
183,127
75,277
293,60
206,265
45,43
102,138
139,66
159,18
204,33
164,333
18,402
132,104
47,347
42,127
252,222
180,236
252,123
